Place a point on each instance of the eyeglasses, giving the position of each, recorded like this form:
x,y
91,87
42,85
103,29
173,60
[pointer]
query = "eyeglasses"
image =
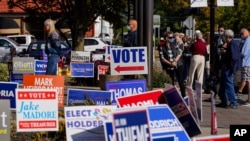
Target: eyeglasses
x,y
170,37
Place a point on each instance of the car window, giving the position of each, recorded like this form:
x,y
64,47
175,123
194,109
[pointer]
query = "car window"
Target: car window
x,y
4,43
89,42
33,47
19,40
43,45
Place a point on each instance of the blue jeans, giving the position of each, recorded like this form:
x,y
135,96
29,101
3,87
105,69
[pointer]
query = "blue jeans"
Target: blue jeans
x,y
226,91
52,64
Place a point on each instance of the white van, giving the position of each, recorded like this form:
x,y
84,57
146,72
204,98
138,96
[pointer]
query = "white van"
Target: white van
x,y
24,40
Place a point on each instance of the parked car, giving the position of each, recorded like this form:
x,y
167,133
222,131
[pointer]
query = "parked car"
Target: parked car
x,y
5,44
92,44
36,49
105,37
23,39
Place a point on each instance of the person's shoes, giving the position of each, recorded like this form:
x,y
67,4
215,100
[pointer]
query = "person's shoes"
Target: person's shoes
x,y
232,106
238,95
247,103
221,105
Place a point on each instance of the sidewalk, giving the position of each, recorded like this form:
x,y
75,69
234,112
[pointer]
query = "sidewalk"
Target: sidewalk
x,y
225,117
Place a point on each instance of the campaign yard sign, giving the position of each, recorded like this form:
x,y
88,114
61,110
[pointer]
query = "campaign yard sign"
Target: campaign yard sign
x,y
8,91
36,110
148,98
23,65
128,60
18,78
46,82
5,120
81,96
164,125
125,88
179,107
131,125
102,69
80,56
85,123
80,69
40,66
108,131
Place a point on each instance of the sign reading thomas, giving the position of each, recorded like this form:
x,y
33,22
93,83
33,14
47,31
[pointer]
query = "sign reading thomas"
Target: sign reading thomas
x,y
128,60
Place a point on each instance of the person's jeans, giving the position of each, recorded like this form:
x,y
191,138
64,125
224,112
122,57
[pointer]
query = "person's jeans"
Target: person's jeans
x,y
226,90
52,64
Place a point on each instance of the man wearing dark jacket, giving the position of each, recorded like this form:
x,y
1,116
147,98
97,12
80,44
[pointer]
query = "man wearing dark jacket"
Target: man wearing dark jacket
x,y
231,62
131,39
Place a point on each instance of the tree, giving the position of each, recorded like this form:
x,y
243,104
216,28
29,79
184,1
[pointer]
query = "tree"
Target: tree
x,y
78,14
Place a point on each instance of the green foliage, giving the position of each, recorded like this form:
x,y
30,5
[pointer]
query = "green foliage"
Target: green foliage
x,y
159,78
4,72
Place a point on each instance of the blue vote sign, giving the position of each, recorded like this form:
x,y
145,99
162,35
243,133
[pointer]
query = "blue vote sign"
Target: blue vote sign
x,y
79,69
125,88
131,125
40,66
80,96
8,91
164,125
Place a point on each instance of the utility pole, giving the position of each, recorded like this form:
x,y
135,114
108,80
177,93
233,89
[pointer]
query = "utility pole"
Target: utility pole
x,y
212,23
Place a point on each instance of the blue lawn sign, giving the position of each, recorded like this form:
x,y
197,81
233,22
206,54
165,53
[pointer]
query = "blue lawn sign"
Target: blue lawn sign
x,y
131,121
18,78
79,69
40,66
180,109
164,125
8,91
108,131
125,88
79,96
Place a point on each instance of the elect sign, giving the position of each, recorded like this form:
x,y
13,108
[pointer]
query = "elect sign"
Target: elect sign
x,y
128,60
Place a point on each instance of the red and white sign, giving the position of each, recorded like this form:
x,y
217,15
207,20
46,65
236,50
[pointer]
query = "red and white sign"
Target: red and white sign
x,y
148,98
102,69
213,138
36,110
129,60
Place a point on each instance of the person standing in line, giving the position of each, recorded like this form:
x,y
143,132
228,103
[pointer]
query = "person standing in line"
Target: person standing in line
x,y
52,47
231,62
131,39
197,64
245,70
186,57
171,63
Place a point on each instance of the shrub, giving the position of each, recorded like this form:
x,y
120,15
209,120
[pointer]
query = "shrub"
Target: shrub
x,y
4,72
159,78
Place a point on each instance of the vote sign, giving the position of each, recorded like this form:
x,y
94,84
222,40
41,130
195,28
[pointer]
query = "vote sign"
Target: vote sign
x,y
36,110
128,60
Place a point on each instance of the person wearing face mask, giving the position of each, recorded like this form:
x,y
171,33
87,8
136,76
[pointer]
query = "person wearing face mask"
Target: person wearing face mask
x,y
197,64
131,39
170,60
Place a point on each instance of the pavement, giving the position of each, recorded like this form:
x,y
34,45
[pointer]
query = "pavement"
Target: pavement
x,y
225,117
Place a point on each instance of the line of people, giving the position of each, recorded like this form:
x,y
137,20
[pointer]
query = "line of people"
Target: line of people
x,y
187,60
